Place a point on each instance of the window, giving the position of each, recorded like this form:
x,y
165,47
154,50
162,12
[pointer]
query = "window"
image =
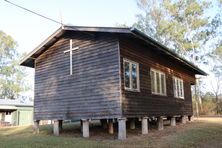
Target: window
x,y
178,87
158,82
131,75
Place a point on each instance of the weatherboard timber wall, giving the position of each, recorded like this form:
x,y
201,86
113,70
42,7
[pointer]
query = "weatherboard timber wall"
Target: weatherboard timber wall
x,y
93,91
144,103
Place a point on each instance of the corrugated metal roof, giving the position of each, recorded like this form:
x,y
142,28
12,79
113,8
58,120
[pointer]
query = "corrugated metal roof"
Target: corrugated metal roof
x,y
4,107
8,102
30,58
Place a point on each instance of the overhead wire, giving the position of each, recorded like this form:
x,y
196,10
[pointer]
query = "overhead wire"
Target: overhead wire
x,y
33,12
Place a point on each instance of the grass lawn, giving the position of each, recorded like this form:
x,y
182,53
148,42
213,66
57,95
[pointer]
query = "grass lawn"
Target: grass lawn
x,y
203,132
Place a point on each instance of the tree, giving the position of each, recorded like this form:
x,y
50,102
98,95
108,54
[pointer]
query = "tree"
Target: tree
x,y
217,27
217,56
184,26
209,104
11,74
180,25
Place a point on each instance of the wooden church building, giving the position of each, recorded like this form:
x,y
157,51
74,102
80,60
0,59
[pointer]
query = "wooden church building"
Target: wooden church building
x,y
112,74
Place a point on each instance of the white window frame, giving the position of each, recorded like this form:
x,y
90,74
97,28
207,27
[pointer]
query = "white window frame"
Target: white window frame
x,y
177,85
137,73
160,81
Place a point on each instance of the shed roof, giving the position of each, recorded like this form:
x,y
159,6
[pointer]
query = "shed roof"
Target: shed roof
x,y
14,103
30,58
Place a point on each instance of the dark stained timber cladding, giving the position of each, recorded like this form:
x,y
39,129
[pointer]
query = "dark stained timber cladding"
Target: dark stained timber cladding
x,y
93,91
144,103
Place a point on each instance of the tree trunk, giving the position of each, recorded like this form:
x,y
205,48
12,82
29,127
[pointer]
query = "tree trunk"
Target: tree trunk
x,y
196,100
217,108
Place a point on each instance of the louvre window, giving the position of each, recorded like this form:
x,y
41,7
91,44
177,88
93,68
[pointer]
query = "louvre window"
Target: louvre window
x,y
131,75
158,82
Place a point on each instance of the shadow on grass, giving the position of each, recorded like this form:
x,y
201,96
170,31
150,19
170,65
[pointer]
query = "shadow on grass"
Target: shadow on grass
x,y
201,133
7,131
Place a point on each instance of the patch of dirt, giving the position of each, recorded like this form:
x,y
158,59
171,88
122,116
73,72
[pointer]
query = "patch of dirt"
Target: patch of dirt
x,y
168,137
98,133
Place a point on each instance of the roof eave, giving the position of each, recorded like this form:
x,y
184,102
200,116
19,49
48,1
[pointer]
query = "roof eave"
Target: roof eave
x,y
29,59
144,37
31,56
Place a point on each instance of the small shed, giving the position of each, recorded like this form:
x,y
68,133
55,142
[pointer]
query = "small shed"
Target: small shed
x,y
15,112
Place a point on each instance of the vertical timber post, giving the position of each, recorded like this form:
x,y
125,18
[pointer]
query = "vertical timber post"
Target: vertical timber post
x,y
56,128
160,123
81,125
122,128
172,121
132,123
36,127
60,125
144,126
85,128
190,118
110,126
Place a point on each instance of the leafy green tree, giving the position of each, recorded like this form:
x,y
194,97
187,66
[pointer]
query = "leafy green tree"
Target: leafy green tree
x,y
216,87
11,74
217,27
216,55
180,25
187,27
209,104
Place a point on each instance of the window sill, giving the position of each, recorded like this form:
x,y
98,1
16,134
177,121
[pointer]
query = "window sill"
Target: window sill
x,y
133,90
179,98
156,94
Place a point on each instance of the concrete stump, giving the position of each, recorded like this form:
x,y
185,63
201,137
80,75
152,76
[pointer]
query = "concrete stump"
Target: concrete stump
x,y
56,128
122,128
36,127
160,123
183,119
172,121
110,126
85,128
144,126
132,124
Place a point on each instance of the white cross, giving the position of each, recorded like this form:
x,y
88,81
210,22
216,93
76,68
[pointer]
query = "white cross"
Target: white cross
x,y
70,53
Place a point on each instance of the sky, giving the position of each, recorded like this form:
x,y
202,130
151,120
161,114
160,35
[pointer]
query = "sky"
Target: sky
x,y
29,30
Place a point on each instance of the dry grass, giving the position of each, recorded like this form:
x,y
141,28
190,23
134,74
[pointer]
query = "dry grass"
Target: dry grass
x,y
203,132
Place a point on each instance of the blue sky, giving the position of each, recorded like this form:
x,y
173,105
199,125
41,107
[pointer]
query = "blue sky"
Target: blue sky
x,y
30,30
